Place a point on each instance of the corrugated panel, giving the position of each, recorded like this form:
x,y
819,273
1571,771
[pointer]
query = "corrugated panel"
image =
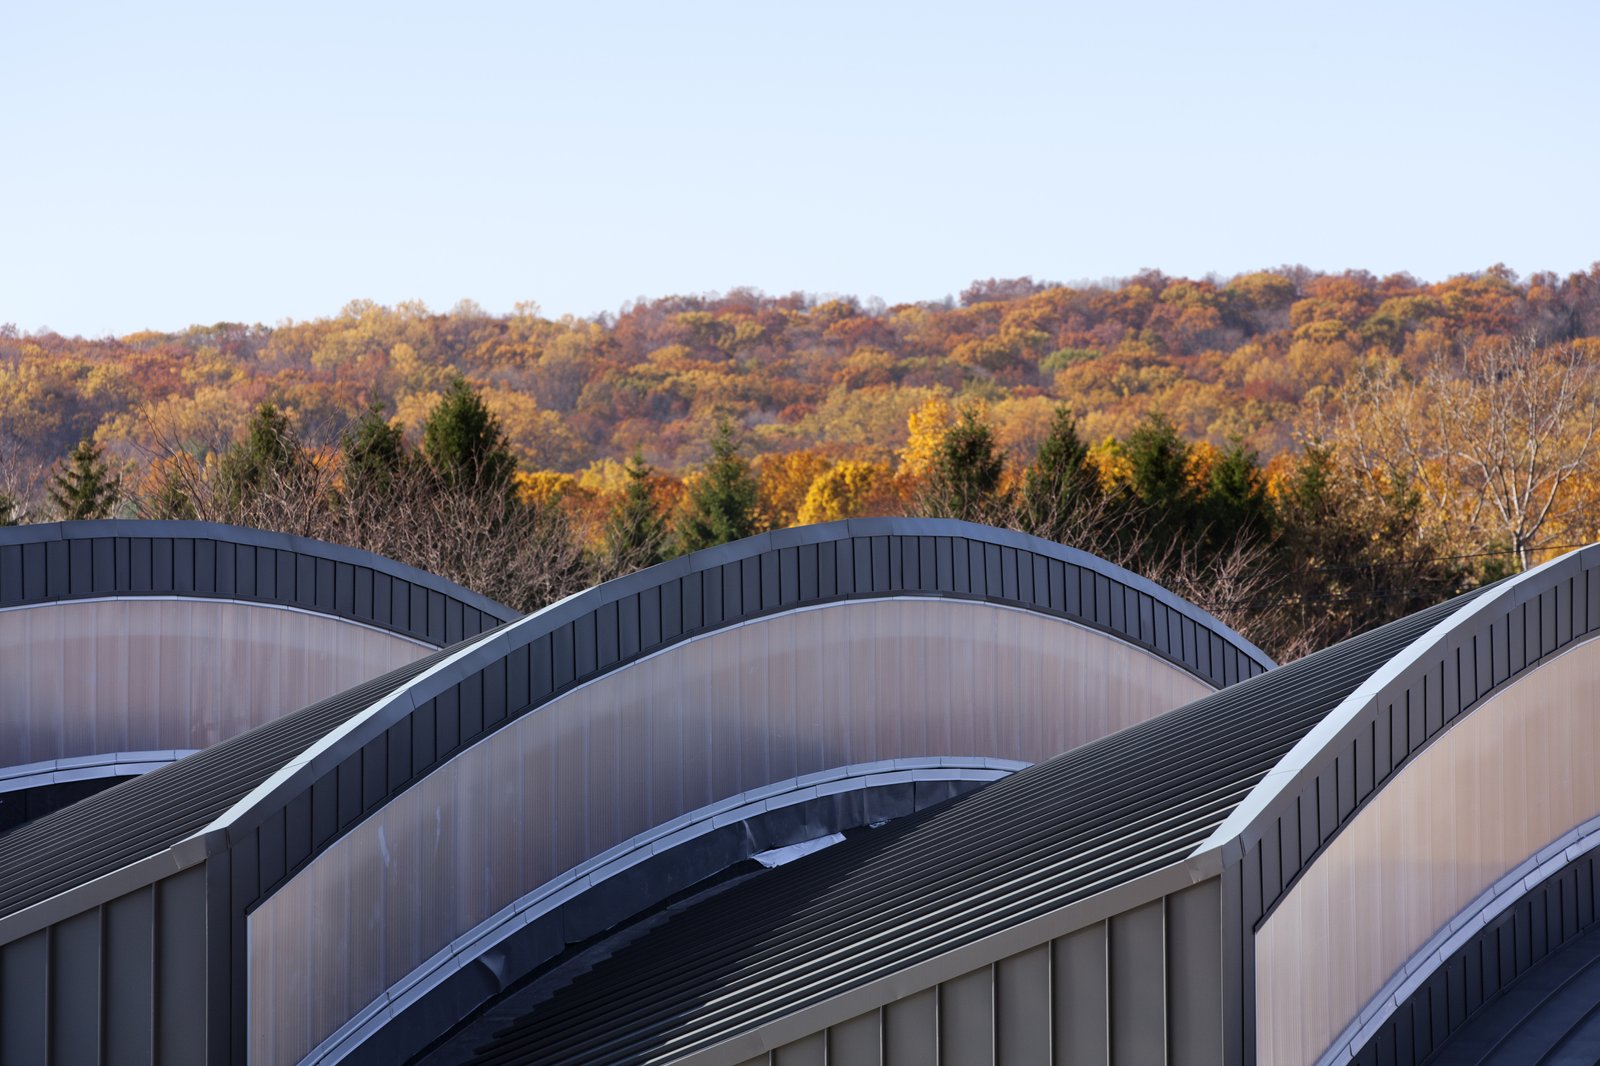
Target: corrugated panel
x,y
1490,648
76,560
675,601
1059,832
722,586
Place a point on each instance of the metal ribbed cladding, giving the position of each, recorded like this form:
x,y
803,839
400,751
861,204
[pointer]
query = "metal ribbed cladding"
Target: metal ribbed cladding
x,y
1459,998
140,817
597,631
66,561
1531,617
540,657
1539,615
505,673
1062,831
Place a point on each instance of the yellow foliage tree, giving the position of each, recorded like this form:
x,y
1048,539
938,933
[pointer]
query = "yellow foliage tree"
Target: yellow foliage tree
x,y
842,491
784,481
1110,463
926,428
539,437
411,410
1203,455
543,486
604,477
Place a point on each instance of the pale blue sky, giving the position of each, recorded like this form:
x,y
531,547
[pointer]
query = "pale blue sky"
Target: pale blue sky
x,y
165,165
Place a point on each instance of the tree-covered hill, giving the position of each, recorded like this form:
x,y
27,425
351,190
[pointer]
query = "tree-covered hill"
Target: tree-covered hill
x,y
1397,437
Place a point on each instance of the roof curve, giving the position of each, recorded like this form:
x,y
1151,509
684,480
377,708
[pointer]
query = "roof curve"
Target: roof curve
x,y
1076,826
219,797
1208,785
60,562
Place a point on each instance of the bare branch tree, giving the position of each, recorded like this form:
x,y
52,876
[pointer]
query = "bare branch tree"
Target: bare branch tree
x,y
524,555
22,479
1491,442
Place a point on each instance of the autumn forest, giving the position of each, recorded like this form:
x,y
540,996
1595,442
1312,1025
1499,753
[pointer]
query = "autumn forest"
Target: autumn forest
x,y
1304,454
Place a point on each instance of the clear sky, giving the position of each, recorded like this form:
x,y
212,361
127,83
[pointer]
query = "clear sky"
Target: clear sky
x,y
162,166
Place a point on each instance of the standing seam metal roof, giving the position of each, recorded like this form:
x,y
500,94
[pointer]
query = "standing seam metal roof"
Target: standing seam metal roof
x,y
571,643
1102,815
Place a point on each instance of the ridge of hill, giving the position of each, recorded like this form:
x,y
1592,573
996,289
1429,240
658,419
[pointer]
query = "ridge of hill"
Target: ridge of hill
x,y
1252,358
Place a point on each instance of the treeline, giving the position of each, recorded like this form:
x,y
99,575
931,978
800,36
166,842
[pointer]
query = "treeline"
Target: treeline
x,y
1302,453
1242,358
1294,558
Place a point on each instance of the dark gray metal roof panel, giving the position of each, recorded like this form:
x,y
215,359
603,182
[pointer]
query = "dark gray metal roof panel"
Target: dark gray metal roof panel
x,y
553,632
1064,830
1549,1016
129,823
60,561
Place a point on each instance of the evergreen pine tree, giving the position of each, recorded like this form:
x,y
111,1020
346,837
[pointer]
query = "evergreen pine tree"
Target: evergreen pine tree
x,y
464,444
1236,502
1353,559
85,488
721,504
964,481
374,454
635,533
10,513
1058,483
269,455
1159,460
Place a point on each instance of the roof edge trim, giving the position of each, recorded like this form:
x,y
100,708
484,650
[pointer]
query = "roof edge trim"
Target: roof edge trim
x,y
103,889
322,755
47,532
1522,879
1238,830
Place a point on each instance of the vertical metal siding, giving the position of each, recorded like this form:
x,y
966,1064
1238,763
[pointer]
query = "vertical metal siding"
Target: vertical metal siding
x,y
966,1019
809,1051
75,983
857,1042
1143,987
1195,976
24,1000
1082,997
1022,1009
130,977
1137,950
121,984
911,1030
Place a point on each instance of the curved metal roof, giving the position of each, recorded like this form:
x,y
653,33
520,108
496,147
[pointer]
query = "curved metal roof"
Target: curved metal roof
x,y
606,627
1076,826
1221,782
64,561
282,771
